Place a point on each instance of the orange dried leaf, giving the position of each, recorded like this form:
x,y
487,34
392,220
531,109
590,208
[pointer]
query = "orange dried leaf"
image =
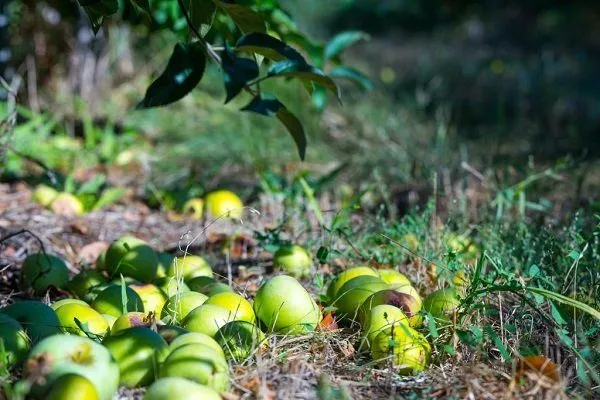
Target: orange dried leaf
x,y
328,323
540,365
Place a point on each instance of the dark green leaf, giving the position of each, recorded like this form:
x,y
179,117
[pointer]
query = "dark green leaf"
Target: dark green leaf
x,y
237,71
202,14
96,19
274,108
184,71
245,18
304,72
268,46
353,75
143,5
342,41
322,254
313,49
86,3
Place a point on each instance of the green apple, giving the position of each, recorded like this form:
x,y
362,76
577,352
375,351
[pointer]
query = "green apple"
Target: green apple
x,y
193,208
67,204
164,261
58,355
208,286
198,363
282,305
110,320
196,337
179,306
85,285
352,294
175,388
14,341
239,307
40,271
239,339
414,317
44,195
170,285
130,320
409,304
392,276
405,348
101,261
345,276
441,304
110,301
293,260
378,318
132,257
223,203
171,332
89,319
189,267
72,386
38,319
62,302
153,298
206,319
138,351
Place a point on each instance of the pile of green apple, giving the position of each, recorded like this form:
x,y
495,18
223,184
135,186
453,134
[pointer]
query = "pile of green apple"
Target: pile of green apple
x,y
216,204
390,312
142,318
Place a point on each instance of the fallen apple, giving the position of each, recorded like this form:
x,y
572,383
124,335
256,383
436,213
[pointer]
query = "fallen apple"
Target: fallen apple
x,y
110,320
414,317
139,352
354,292
179,306
406,349
189,267
195,337
170,332
152,297
175,388
101,261
14,342
282,305
110,301
223,203
44,195
72,386
78,319
208,286
193,208
239,307
85,285
132,257
239,339
378,318
67,204
409,304
206,319
38,319
293,260
59,355
198,363
130,320
41,271
441,304
392,276
164,261
62,302
345,276
170,286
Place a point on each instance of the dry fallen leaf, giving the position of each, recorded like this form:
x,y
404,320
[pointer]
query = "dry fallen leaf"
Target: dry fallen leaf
x,y
328,323
540,365
89,253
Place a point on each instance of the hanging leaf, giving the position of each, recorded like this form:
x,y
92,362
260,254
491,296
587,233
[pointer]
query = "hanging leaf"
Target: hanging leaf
x,y
303,71
341,42
313,49
143,5
202,14
237,71
268,46
245,18
357,77
184,71
274,108
319,97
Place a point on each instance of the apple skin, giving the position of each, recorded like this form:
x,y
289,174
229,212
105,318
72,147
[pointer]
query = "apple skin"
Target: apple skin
x,y
189,267
15,340
40,271
196,337
96,324
379,318
206,319
175,388
198,363
294,260
408,350
44,195
352,294
193,208
414,317
101,261
208,286
38,319
152,297
164,260
179,306
72,386
62,302
85,284
171,332
239,307
59,355
345,276
138,351
409,304
283,306
132,257
392,276
130,320
67,204
109,301
223,203
441,304
170,286
239,339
